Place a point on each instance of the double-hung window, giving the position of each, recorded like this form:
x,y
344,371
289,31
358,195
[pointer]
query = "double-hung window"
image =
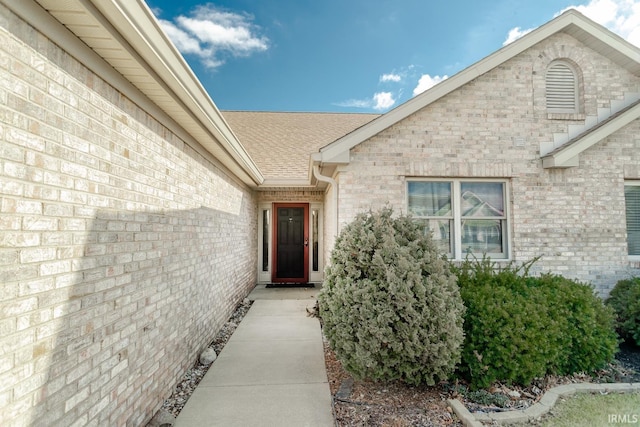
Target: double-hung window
x,y
632,202
464,216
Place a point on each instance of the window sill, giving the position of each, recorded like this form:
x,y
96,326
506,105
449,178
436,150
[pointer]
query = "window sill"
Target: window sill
x,y
479,258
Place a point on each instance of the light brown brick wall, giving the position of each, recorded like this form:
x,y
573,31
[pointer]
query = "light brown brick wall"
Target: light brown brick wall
x,y
291,195
122,250
493,127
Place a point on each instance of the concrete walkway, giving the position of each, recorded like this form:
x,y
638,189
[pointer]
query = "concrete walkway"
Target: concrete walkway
x,y
270,373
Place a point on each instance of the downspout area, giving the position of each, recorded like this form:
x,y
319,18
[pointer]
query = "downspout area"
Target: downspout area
x,y
334,183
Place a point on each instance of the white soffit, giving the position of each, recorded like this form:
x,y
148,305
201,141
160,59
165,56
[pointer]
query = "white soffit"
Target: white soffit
x,y
128,37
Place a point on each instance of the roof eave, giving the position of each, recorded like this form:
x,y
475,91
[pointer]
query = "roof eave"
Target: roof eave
x,y
568,154
338,150
134,29
270,183
137,24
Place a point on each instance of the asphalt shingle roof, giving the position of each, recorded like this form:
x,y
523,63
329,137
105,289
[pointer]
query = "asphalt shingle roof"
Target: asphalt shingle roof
x,y
280,143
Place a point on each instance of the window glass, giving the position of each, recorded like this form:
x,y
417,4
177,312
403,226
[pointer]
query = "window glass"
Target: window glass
x,y
429,198
266,226
632,199
481,236
440,231
463,217
315,213
432,199
482,199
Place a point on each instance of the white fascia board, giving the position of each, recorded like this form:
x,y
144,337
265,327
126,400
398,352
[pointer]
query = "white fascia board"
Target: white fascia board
x,y
138,26
337,157
337,149
550,162
285,183
612,40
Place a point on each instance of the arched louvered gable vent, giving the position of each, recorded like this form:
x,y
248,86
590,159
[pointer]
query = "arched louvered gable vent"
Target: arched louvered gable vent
x,y
562,88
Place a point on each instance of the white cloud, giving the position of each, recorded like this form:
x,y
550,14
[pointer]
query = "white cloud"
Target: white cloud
x,y
383,101
620,16
426,82
515,34
185,42
601,11
355,103
391,77
212,34
379,101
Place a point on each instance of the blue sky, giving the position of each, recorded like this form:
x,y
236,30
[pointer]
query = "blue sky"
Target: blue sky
x,y
352,55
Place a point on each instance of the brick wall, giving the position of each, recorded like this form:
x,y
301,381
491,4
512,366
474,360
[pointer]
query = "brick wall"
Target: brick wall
x,y
122,249
291,195
492,127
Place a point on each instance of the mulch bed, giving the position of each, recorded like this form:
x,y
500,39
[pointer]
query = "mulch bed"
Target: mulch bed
x,y
385,404
365,403
629,358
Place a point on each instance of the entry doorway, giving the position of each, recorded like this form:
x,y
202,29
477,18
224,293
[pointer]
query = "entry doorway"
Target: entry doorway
x,y
291,243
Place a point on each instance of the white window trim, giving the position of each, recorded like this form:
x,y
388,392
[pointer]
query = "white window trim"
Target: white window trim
x,y
264,276
317,276
456,231
633,258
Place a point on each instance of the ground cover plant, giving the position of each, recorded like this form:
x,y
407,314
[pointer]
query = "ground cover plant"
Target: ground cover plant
x,y
390,306
520,327
625,301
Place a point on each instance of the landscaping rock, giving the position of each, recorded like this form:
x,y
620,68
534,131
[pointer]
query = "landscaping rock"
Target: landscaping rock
x,y
162,418
514,394
208,356
193,376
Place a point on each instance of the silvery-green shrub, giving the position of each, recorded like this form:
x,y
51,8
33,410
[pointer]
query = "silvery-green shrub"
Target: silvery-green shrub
x,y
390,306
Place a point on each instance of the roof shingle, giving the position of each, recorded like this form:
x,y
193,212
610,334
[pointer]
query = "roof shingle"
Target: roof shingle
x,y
280,143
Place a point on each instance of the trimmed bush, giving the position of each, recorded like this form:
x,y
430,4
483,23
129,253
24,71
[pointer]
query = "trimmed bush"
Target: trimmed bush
x,y
518,327
625,301
390,306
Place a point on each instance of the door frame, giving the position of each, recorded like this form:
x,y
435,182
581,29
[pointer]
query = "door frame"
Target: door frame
x,y
274,265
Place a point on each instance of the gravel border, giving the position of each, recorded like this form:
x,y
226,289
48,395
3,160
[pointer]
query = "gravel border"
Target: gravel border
x,y
190,380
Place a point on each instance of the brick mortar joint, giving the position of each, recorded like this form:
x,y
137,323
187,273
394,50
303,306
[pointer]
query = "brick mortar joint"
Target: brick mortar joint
x,y
471,420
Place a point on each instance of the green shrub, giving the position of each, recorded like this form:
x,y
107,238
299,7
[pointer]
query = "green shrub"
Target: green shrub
x,y
390,306
625,301
518,327
587,339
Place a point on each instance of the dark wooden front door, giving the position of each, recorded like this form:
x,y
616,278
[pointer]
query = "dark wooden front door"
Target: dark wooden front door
x,y
292,243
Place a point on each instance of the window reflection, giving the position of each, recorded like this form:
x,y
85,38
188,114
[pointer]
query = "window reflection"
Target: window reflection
x,y
463,216
314,239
